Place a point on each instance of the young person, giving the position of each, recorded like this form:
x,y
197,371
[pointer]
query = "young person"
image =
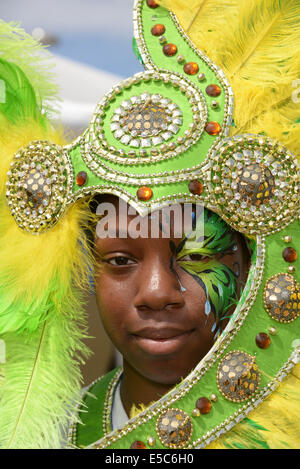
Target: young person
x,y
206,337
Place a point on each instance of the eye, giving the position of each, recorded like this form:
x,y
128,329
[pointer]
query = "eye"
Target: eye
x,y
194,258
119,261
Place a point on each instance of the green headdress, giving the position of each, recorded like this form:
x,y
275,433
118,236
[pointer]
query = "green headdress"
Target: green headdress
x,y
169,135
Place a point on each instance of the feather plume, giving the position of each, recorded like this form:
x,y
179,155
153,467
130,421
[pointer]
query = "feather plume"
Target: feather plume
x,y
256,43
42,380
33,59
203,20
42,278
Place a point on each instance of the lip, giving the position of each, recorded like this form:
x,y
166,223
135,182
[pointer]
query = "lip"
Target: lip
x,y
161,341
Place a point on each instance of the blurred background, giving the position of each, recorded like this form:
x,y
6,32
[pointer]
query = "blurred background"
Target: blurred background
x,y
91,43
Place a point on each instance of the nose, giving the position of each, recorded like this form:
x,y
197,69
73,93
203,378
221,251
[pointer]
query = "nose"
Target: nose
x,y
158,287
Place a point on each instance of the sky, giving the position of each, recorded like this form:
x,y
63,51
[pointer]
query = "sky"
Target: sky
x,y
94,32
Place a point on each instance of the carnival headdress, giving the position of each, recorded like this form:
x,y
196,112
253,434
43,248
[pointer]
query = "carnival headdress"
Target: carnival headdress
x,y
214,124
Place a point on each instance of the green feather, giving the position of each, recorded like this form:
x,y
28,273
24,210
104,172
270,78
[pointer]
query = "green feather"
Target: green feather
x,y
27,73
18,101
42,380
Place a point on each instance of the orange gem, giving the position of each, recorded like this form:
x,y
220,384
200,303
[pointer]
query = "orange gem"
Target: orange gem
x,y
263,340
144,193
290,254
138,445
81,178
213,90
158,30
195,187
191,68
152,4
170,49
204,405
213,128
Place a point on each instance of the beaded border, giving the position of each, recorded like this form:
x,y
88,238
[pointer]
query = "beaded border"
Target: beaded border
x,y
95,135
148,62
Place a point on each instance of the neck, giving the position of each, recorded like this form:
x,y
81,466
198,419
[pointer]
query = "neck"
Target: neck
x,y
136,389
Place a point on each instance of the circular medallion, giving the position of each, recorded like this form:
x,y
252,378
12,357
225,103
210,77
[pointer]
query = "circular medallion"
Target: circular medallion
x,y
174,428
238,376
255,180
282,298
150,117
38,185
148,123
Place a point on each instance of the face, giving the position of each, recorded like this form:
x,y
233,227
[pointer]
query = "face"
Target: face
x,y
163,301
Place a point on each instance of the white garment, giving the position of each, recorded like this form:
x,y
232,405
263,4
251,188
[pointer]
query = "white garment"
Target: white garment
x,y
118,415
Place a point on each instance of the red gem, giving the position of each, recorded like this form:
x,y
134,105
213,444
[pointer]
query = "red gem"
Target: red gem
x,y
191,68
263,340
144,193
152,4
290,254
170,49
158,30
195,187
213,128
204,405
213,90
138,445
81,178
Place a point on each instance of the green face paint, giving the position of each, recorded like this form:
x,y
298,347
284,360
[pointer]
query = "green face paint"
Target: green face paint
x,y
196,255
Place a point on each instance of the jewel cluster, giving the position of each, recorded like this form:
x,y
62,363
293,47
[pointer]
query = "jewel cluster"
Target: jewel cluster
x,y
37,186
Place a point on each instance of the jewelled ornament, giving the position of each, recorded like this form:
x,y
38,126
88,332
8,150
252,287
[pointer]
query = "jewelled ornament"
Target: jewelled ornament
x,y
259,183
174,428
142,121
38,185
238,376
282,298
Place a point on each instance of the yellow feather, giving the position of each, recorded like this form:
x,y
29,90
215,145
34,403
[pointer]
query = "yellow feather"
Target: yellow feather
x,y
256,43
29,263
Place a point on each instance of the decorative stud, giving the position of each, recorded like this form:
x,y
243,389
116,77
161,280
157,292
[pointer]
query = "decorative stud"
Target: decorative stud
x,y
213,90
290,254
162,40
287,239
203,405
151,441
238,376
213,128
191,68
196,413
138,445
180,59
152,4
215,104
201,77
81,178
263,340
174,428
213,397
196,187
272,330
144,193
291,269
282,298
170,49
158,30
